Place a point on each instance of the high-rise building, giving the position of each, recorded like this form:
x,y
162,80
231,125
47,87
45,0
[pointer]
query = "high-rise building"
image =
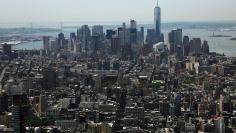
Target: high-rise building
x,y
77,47
121,35
151,36
133,32
72,42
175,36
110,33
205,48
175,41
133,24
17,119
62,42
115,45
157,20
73,35
195,46
84,35
46,44
54,46
97,30
42,104
6,49
186,47
142,35
3,102
95,43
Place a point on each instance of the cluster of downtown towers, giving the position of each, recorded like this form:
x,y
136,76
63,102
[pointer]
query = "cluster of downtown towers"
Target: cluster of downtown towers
x,y
123,40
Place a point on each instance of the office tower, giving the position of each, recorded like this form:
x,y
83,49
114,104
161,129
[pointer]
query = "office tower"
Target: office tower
x,y
115,45
77,47
46,44
133,32
119,29
61,41
142,35
205,48
221,104
133,24
3,101
162,38
72,42
175,36
151,36
73,35
17,121
54,47
110,33
157,21
186,46
42,104
97,30
95,44
175,42
120,35
195,46
7,49
125,35
84,36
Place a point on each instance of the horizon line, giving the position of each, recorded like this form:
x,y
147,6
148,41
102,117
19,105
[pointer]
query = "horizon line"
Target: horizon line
x,y
141,22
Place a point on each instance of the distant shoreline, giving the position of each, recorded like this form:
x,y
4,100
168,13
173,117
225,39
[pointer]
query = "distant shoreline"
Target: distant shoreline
x,y
220,36
233,39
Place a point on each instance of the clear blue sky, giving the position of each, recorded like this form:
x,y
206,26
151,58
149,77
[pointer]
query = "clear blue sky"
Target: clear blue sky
x,y
115,10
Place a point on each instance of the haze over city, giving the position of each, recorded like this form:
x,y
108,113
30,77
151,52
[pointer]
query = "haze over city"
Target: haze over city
x,y
115,10
116,66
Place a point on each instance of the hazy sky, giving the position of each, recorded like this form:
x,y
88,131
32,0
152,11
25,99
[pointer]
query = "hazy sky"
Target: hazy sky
x,y
114,10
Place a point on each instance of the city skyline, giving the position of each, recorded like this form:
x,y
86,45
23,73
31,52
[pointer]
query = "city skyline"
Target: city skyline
x,y
110,11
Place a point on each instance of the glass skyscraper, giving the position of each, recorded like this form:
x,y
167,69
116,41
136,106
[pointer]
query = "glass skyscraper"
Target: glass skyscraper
x,y
157,20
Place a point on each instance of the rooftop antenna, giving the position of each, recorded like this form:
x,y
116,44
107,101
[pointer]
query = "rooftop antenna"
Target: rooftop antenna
x,y
157,2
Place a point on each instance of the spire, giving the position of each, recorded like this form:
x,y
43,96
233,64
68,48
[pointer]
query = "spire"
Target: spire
x,y
157,2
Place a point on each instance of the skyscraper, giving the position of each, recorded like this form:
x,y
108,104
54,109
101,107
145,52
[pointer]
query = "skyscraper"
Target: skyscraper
x,y
175,41
142,34
3,101
157,20
133,32
84,36
6,48
46,43
97,30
